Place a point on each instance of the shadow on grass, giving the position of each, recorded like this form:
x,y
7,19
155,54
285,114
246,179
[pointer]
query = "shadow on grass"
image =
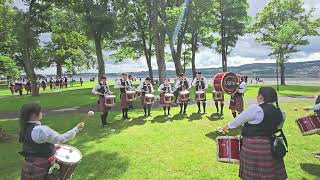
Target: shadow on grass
x,y
195,116
101,164
160,119
215,117
178,117
213,135
312,169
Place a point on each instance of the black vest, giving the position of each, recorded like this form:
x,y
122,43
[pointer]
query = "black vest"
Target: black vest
x,y
32,149
269,125
146,88
185,83
165,89
200,83
103,88
123,83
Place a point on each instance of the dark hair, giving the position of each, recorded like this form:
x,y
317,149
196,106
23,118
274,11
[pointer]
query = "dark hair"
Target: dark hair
x,y
269,94
124,74
148,79
25,113
317,100
199,72
103,77
130,76
181,74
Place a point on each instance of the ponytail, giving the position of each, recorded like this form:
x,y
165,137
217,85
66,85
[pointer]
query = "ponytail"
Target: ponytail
x,y
26,112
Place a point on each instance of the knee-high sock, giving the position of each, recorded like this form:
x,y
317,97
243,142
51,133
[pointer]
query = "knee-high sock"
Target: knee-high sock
x,y
149,109
204,106
221,104
185,107
164,109
234,114
181,105
169,110
126,112
217,105
198,104
123,113
145,110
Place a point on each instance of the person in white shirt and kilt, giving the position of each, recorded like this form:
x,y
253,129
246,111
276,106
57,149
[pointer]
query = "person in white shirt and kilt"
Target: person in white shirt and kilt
x,y
200,84
259,123
182,84
164,88
130,78
38,143
101,90
124,85
236,100
146,88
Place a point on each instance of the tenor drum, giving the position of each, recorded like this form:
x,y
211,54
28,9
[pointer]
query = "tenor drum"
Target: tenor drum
x,y
110,100
200,95
227,82
148,98
217,96
168,98
68,158
228,149
309,124
138,93
184,95
130,95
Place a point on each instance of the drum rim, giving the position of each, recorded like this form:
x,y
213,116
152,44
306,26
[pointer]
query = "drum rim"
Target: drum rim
x,y
130,92
228,137
224,74
110,96
149,95
74,148
166,94
306,116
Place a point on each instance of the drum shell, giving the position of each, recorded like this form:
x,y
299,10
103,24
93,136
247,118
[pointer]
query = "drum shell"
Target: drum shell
x,y
309,124
184,96
228,149
130,95
149,99
110,101
199,95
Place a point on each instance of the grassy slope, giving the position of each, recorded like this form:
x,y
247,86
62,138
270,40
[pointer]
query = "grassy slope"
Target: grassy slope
x,y
183,149
82,96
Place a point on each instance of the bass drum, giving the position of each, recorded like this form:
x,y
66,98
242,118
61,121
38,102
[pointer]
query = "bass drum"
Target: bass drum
x,y
227,82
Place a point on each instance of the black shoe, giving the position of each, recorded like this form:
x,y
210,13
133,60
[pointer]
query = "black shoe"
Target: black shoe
x,y
184,112
180,112
204,112
165,113
145,115
199,111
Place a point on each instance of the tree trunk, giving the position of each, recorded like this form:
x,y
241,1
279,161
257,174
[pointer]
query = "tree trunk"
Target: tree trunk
x,y
223,37
31,75
193,54
282,73
224,61
59,68
101,67
150,69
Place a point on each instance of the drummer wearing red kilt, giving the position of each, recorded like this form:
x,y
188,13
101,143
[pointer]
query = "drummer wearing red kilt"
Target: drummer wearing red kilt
x,y
11,87
101,90
236,100
200,84
124,85
260,122
146,88
182,85
165,89
38,143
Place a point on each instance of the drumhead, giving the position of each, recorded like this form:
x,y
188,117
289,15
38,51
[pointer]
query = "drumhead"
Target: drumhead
x,y
68,154
131,92
199,92
110,96
149,95
168,95
227,137
184,92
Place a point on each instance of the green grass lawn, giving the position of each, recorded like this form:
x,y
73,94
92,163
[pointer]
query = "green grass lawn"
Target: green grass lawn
x,y
153,149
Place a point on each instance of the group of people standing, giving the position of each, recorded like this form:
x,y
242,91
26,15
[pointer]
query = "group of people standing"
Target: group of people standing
x,y
17,86
169,95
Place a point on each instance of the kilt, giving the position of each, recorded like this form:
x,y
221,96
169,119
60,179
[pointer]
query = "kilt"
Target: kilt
x,y
218,96
205,98
11,89
35,169
124,102
236,103
102,105
142,102
179,100
256,161
28,87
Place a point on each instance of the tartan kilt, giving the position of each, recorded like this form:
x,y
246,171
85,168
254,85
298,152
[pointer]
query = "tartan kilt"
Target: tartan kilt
x,y
35,169
124,102
236,103
179,100
142,102
162,97
256,161
218,97
205,98
28,87
102,105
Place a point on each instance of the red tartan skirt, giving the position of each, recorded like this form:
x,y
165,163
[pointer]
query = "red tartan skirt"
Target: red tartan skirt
x,y
256,161
35,169
102,105
124,102
218,97
236,103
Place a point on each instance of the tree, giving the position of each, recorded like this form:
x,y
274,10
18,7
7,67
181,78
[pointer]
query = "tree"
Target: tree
x,y
7,38
231,18
158,20
284,25
8,67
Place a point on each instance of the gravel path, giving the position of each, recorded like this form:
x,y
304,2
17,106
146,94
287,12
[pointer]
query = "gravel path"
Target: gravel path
x,y
86,108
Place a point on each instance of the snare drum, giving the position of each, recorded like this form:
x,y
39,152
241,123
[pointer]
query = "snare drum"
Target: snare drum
x,y
148,98
228,149
130,95
138,93
168,98
68,158
184,96
200,95
110,100
218,96
309,124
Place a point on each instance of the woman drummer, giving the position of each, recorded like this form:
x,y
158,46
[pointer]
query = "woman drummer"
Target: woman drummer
x,y
101,90
146,88
200,84
38,142
124,85
11,87
260,122
163,89
182,84
236,100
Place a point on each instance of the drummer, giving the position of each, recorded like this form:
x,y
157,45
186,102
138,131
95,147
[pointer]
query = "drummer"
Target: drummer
x,y
200,84
236,100
146,88
38,142
260,122
101,90
130,78
11,87
124,86
163,89
182,84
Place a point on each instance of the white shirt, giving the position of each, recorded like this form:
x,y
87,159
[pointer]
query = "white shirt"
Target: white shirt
x,y
162,86
242,87
118,84
177,85
140,87
97,87
43,134
194,83
253,115
315,107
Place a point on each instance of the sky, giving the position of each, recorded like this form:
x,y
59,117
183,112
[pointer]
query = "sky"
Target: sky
x,y
247,51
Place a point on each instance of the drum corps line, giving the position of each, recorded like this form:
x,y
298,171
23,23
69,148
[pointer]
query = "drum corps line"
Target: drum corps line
x,y
259,150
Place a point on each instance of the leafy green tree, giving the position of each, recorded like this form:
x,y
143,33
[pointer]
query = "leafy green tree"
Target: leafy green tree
x,y
284,25
7,38
8,67
231,18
